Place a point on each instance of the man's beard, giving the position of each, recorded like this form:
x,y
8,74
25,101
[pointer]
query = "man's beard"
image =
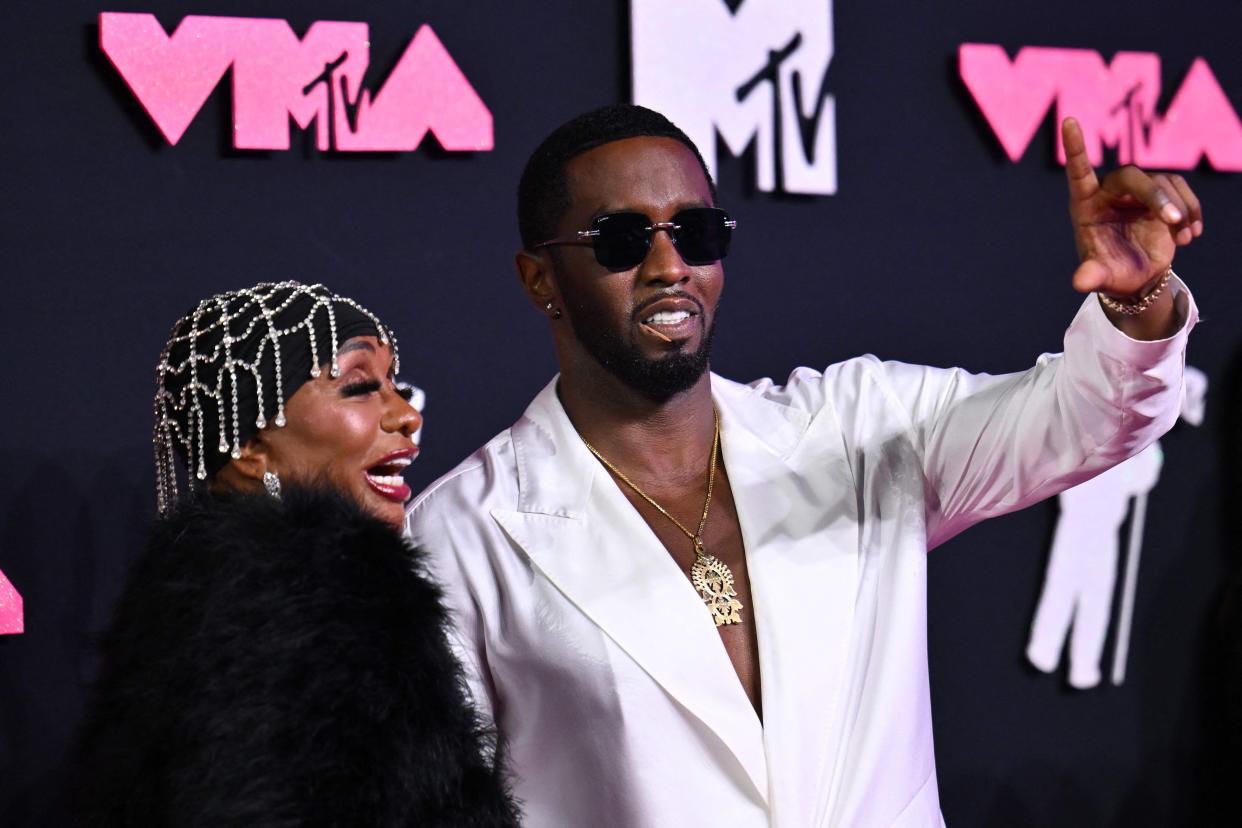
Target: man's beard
x,y
658,379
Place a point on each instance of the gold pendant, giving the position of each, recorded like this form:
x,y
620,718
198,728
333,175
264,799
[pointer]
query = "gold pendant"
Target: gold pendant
x,y
714,581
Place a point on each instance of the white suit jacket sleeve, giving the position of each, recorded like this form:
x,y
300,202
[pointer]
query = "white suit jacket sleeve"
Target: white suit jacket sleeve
x,y
989,444
467,638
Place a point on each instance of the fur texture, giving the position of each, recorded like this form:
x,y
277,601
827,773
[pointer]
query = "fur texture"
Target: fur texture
x,y
283,664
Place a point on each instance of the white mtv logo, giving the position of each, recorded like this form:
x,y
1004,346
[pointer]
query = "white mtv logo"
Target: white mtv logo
x,y
755,74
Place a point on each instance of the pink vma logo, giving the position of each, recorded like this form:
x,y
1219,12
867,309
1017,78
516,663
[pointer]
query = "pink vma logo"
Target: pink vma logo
x,y
1114,102
12,619
313,80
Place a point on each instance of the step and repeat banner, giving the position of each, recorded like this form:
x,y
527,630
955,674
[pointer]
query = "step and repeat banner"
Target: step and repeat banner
x,y
895,169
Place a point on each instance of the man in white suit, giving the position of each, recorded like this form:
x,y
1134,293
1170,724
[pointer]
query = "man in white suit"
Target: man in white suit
x,y
686,601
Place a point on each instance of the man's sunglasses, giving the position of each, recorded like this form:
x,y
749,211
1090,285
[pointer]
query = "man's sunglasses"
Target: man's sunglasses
x,y
621,240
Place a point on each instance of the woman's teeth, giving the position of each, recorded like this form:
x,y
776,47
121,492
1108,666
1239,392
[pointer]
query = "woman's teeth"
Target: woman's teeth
x,y
392,480
389,472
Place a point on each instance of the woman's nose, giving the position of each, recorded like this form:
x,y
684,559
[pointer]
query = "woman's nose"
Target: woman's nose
x,y
402,416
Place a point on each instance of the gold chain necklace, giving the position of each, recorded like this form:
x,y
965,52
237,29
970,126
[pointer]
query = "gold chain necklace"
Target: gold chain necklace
x,y
710,575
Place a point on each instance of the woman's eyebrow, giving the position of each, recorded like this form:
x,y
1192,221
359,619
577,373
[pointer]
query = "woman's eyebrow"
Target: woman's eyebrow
x,y
356,345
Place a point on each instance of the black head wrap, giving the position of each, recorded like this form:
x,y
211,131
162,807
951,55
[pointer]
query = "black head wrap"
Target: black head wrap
x,y
233,361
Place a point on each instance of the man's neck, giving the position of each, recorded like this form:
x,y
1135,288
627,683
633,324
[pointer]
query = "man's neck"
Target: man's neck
x,y
655,440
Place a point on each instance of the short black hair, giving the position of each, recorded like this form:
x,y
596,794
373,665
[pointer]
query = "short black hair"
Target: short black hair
x,y
543,191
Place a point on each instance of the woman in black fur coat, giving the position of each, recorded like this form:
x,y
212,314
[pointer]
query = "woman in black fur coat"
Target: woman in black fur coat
x,y
277,658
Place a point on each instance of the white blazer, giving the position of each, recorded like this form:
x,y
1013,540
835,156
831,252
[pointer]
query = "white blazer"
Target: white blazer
x,y
602,671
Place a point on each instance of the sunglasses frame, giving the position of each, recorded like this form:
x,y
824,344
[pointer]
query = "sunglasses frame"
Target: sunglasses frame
x,y
653,227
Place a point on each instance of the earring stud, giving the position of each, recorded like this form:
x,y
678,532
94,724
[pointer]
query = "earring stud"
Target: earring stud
x,y
271,482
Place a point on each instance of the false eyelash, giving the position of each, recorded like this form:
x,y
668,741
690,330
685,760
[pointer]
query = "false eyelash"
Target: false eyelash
x,y
405,390
356,389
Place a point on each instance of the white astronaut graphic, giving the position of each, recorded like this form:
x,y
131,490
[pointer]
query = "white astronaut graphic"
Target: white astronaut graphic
x,y
1082,567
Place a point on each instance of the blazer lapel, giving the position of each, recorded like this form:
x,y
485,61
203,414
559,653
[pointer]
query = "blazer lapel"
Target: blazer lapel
x,y
581,532
796,505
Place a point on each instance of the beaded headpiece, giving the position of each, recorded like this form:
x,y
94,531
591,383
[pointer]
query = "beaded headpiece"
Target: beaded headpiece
x,y
230,365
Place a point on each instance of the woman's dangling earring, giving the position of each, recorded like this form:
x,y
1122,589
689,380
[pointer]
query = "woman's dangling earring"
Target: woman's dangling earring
x,y
272,483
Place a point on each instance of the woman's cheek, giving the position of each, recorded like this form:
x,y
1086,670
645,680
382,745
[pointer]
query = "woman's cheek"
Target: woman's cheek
x,y
357,430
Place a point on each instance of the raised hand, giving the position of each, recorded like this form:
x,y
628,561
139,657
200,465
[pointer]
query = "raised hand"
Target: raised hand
x,y
1128,226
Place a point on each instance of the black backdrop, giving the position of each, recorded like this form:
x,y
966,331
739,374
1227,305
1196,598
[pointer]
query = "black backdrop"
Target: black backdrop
x,y
936,249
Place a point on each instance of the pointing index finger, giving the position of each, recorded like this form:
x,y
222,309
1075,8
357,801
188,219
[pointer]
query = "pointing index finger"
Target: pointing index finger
x,y
1078,169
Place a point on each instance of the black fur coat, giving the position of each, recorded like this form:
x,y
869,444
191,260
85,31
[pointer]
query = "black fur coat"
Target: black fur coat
x,y
282,664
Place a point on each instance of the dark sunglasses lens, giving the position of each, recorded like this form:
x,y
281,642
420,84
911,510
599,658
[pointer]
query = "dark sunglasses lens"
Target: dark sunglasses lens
x,y
622,241
703,235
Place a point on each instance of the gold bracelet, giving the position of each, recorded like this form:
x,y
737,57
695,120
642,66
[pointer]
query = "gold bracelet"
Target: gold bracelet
x,y
1134,307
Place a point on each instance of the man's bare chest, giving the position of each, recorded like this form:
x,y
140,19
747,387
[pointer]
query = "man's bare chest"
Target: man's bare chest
x,y
722,538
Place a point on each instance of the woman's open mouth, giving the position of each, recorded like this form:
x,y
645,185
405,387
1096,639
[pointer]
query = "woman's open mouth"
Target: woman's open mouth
x,y
385,476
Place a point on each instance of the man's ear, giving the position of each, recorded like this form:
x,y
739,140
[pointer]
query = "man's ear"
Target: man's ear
x,y
538,279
